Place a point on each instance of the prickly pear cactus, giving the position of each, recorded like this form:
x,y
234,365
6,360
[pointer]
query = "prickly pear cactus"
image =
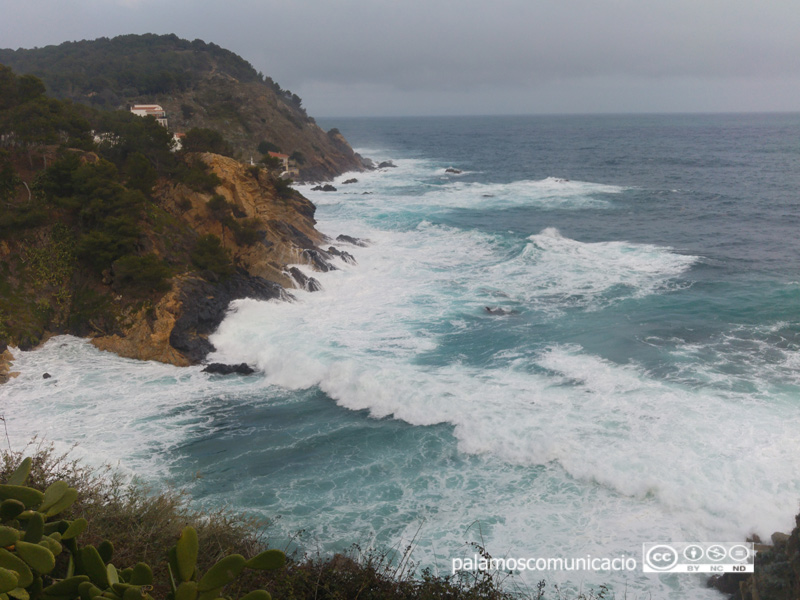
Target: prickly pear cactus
x,y
32,537
188,584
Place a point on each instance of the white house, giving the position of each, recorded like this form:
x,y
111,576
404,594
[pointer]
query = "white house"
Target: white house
x,y
152,110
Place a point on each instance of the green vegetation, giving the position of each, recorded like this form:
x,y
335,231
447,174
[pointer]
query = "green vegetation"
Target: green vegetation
x,y
41,558
206,140
246,232
146,273
29,119
283,187
199,84
210,255
272,163
196,175
80,213
264,147
218,207
156,537
135,64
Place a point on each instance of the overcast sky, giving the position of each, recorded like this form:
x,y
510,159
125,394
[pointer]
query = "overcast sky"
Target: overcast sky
x,y
439,57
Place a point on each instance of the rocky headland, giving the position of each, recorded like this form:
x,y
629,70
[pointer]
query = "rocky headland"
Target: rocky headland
x,y
173,327
109,231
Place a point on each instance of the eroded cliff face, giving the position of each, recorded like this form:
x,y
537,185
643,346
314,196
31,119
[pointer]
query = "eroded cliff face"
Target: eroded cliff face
x,y
174,328
285,222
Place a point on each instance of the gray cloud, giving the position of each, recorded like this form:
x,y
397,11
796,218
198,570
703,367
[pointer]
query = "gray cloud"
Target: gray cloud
x,y
438,56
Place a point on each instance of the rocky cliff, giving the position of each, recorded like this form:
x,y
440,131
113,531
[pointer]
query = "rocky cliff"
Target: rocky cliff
x,y
174,329
118,237
265,230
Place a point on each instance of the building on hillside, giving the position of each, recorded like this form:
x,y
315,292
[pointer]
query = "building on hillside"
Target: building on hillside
x,y
284,158
287,170
177,139
150,110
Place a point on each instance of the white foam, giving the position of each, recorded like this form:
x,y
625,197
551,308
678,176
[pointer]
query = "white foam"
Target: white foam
x,y
567,272
422,186
560,451
127,412
546,193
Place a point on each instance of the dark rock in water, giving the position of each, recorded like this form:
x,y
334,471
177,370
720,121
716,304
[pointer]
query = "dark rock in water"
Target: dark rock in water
x,y
488,196
46,376
351,240
366,193
349,181
317,259
323,188
204,307
387,164
304,281
496,310
345,256
223,369
454,171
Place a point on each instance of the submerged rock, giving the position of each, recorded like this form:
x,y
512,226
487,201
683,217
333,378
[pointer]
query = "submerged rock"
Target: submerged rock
x,y
497,310
323,188
453,171
349,181
387,164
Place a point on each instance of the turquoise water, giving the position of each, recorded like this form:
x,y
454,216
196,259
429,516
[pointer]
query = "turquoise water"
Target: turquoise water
x,y
642,387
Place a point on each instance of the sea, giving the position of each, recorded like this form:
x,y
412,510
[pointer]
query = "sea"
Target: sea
x,y
582,338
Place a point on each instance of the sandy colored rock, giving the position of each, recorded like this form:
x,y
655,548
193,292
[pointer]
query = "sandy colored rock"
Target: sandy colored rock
x,y
287,223
147,338
6,361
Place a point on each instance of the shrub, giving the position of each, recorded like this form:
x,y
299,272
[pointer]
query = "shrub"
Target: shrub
x,y
137,525
283,187
17,219
40,523
146,273
247,232
272,163
218,207
206,140
198,177
209,255
265,147
141,175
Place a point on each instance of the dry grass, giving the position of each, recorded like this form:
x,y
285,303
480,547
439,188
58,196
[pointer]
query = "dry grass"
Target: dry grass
x,y
142,524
